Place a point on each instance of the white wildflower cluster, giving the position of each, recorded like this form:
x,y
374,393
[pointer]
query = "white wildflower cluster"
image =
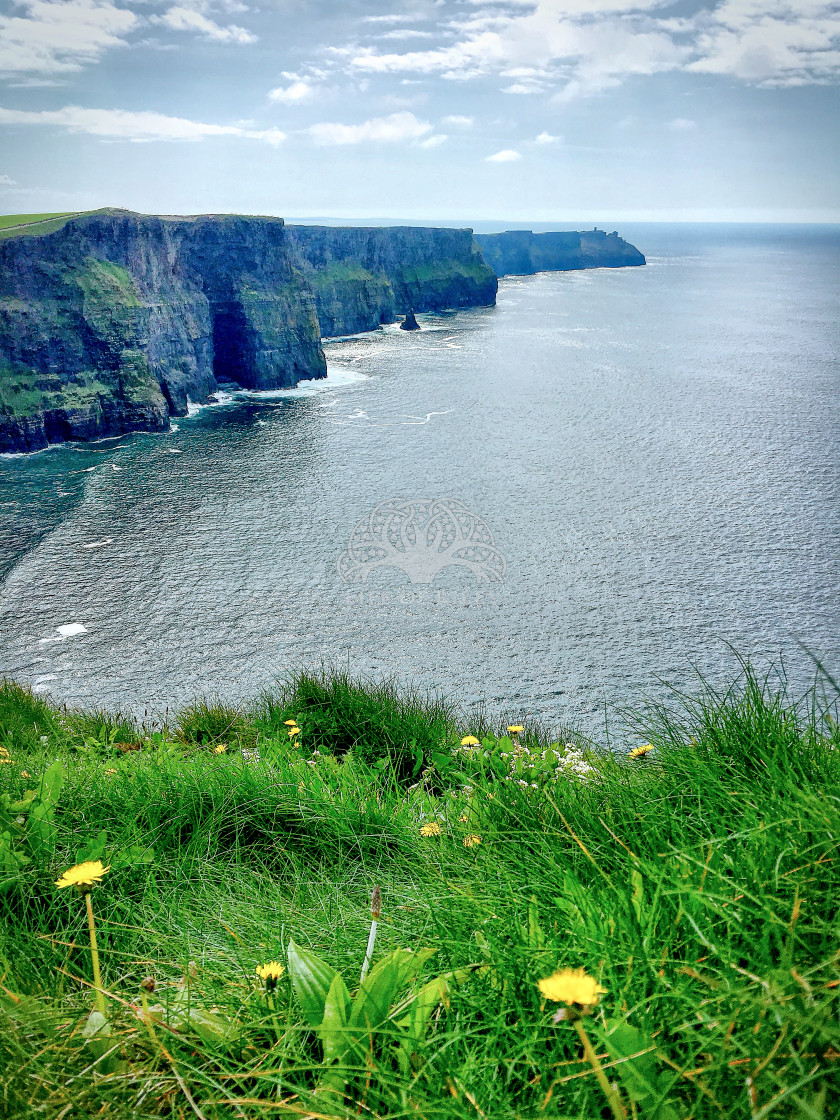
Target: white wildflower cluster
x,y
530,767
574,764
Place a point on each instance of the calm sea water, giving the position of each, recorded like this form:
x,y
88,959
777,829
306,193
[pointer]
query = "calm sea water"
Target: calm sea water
x,y
653,451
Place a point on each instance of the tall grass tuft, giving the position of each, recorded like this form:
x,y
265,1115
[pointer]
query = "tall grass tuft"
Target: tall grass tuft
x,y
375,720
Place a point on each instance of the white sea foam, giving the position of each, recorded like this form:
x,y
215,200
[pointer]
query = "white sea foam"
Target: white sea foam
x,y
175,451
416,420
338,376
70,629
99,544
67,630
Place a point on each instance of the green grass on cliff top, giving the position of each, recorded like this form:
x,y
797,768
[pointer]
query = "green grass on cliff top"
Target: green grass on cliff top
x,y
7,220
698,884
35,225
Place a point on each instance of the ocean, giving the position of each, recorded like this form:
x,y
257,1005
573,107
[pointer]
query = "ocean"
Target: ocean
x,y
557,508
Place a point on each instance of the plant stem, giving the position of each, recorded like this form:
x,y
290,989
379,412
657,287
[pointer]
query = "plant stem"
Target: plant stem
x,y
368,951
613,1099
94,956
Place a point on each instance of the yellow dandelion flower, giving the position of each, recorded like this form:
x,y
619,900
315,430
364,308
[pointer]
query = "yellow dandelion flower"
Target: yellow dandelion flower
x,y
640,752
293,731
83,875
463,819
431,829
516,728
110,770
220,749
25,774
290,722
571,985
470,741
471,841
271,972
5,761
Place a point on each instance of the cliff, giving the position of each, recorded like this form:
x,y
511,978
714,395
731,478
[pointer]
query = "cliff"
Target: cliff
x,y
521,252
110,322
362,277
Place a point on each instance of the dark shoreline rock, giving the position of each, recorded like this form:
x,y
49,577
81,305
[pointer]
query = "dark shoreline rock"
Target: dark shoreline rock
x,y
409,323
520,252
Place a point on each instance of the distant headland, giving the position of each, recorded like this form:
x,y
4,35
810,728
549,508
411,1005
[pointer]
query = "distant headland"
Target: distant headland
x,y
112,321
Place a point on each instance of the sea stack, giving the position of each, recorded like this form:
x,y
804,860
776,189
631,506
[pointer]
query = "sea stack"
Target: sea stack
x,y
409,323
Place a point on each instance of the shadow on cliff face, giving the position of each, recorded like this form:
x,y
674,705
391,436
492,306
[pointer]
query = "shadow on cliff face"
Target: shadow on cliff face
x,y
230,345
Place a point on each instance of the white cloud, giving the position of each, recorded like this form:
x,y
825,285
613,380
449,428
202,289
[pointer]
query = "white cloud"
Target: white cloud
x,y
188,19
771,42
6,181
434,141
120,124
682,124
581,47
507,155
548,43
457,121
394,17
408,33
547,138
57,36
292,94
391,129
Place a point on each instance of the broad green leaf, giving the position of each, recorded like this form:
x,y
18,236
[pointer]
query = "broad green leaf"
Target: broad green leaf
x,y
97,1035
640,1076
132,856
94,849
96,1025
311,981
210,1026
335,1036
436,991
372,1004
40,827
51,783
24,803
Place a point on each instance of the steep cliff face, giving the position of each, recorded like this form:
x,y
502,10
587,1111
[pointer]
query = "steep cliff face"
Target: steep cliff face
x,y
521,252
110,323
362,278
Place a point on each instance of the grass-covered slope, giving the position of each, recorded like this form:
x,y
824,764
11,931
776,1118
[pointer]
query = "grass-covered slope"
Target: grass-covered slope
x,y
696,883
27,225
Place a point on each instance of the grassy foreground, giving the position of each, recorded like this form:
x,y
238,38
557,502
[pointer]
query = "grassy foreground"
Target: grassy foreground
x,y
696,885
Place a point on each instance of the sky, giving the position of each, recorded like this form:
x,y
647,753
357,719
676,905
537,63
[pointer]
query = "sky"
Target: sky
x,y
564,111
